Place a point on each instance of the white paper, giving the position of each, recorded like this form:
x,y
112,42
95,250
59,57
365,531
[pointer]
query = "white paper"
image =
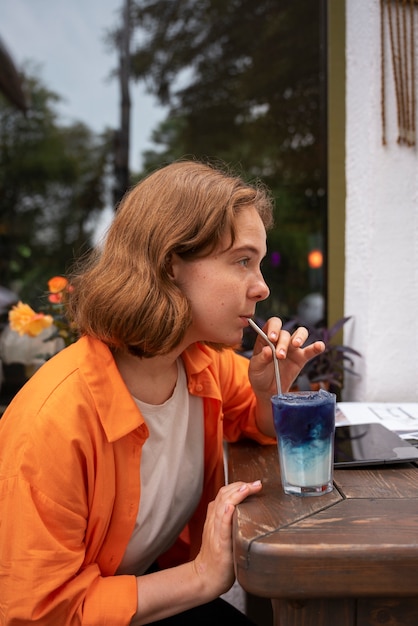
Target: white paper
x,y
400,417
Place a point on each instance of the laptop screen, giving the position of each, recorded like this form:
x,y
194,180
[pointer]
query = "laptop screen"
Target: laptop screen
x,y
370,444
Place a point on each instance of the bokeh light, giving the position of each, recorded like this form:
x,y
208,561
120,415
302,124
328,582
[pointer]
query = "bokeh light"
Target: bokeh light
x,y
315,259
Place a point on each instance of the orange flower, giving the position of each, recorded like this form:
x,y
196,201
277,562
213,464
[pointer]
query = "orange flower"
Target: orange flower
x,y
25,321
55,298
57,284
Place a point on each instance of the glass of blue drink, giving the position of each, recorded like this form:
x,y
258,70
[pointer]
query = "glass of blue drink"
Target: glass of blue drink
x,y
305,423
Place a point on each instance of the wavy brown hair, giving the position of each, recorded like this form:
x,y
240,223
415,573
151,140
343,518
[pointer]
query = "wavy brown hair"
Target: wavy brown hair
x,y
123,294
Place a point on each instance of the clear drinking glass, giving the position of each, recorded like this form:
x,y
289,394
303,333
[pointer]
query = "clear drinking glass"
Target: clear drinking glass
x,y
305,423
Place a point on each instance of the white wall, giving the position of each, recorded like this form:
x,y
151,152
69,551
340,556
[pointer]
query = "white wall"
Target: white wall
x,y
381,289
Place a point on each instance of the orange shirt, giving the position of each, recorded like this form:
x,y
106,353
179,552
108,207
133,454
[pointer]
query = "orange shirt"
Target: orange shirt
x,y
70,451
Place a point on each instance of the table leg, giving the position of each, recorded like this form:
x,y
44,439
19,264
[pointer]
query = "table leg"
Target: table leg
x,y
346,612
324,612
387,611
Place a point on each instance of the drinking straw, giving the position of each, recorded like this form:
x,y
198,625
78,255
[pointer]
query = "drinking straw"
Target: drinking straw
x,y
273,349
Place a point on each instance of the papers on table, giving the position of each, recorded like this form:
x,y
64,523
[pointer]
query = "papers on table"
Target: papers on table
x,y
400,417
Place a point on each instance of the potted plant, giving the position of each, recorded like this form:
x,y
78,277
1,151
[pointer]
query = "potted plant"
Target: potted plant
x,y
327,370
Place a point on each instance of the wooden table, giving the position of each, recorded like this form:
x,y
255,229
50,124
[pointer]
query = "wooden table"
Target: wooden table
x,y
347,558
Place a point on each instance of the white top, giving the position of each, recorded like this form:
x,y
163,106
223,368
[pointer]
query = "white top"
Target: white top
x,y
171,475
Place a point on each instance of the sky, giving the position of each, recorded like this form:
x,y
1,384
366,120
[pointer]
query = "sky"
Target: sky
x,y
64,41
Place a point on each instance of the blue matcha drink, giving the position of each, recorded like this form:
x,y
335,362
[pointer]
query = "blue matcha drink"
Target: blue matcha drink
x,y
305,423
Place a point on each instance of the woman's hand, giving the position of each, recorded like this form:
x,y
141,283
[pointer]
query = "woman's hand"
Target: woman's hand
x,y
176,589
290,353
214,563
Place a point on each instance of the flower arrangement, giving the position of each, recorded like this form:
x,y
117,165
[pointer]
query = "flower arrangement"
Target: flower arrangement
x,y
25,321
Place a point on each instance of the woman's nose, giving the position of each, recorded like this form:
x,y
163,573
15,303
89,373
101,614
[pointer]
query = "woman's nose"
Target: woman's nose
x,y
260,289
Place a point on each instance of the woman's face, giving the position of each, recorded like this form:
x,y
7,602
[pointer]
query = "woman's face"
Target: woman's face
x,y
224,287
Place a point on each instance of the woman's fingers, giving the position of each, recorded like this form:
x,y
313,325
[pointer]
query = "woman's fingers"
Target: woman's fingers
x,y
282,339
236,492
291,350
226,500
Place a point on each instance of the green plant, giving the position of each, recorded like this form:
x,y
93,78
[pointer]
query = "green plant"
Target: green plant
x,y
327,370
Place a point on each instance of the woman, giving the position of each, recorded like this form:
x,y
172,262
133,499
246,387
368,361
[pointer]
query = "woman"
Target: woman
x,y
112,498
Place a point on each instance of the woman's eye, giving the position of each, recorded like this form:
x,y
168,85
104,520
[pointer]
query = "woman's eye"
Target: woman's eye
x,y
244,262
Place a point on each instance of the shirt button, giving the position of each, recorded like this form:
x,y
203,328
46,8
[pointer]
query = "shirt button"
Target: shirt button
x,y
199,387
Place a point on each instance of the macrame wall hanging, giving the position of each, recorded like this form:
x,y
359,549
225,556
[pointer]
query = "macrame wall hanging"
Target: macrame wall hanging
x,y
397,24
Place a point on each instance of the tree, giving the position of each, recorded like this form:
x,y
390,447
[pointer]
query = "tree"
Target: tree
x,y
52,189
10,80
239,70
244,82
122,39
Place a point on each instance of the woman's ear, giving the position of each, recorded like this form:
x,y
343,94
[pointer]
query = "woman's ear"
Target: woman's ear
x,y
172,265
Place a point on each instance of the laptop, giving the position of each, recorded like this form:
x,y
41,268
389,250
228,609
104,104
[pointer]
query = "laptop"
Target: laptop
x,y
359,445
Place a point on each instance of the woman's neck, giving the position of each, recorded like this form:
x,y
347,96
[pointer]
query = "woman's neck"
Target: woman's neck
x,y
150,380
